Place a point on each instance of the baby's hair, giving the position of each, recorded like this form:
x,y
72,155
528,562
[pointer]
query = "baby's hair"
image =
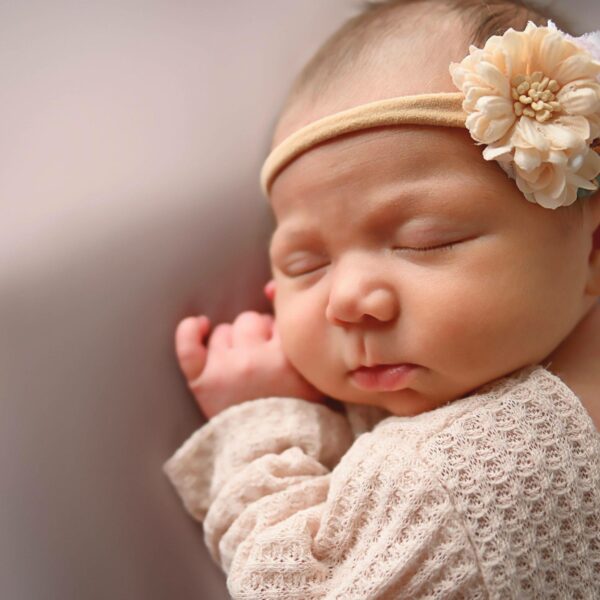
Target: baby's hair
x,y
381,20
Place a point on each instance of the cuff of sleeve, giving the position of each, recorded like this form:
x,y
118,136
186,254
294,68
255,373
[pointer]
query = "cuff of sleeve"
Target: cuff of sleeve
x,y
244,432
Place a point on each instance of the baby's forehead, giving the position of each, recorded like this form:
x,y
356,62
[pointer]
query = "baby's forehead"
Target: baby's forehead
x,y
418,212
377,213
412,167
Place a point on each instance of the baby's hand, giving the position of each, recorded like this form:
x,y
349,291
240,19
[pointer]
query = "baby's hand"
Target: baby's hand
x,y
243,361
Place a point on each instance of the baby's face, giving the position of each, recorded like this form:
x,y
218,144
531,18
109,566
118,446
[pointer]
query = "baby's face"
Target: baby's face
x,y
403,245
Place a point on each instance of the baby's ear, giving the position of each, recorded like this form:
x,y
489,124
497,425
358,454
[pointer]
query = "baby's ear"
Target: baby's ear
x,y
269,290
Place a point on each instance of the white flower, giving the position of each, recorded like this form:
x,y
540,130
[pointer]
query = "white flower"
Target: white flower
x,y
534,98
588,41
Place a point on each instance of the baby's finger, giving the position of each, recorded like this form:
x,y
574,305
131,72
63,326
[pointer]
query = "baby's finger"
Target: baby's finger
x,y
250,328
220,337
190,350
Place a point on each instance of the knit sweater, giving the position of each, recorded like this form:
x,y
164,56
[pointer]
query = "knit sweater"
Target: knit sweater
x,y
496,495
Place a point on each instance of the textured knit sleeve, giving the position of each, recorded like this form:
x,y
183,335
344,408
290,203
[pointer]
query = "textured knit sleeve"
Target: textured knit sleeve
x,y
294,508
255,449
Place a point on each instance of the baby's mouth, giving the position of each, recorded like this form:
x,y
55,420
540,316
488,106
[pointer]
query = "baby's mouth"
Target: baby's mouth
x,y
383,378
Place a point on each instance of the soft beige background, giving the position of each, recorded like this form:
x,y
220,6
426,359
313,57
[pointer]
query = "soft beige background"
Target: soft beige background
x,y
131,136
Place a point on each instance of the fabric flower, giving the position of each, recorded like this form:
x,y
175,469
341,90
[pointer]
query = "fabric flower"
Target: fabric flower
x,y
533,97
588,41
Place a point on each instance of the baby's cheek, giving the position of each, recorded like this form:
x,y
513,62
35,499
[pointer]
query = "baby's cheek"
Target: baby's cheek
x,y
298,328
500,319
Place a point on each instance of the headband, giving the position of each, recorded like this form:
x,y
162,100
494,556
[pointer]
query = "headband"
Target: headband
x,y
531,97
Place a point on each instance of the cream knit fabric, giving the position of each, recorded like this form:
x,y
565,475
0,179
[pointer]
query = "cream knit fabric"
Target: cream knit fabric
x,y
496,495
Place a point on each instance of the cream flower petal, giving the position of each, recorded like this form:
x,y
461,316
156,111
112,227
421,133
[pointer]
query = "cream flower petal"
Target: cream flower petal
x,y
527,158
485,130
569,197
472,80
580,97
566,197
529,135
477,124
552,52
580,182
594,121
535,176
508,168
525,188
493,75
499,117
551,186
575,123
564,138
557,157
501,150
465,79
578,66
546,177
556,186
473,95
495,152
515,53
590,168
495,107
550,189
498,127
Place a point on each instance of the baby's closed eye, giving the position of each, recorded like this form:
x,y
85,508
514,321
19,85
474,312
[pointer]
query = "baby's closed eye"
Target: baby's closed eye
x,y
303,263
303,266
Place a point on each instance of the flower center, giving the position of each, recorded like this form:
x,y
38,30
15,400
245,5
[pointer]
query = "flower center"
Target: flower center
x,y
535,96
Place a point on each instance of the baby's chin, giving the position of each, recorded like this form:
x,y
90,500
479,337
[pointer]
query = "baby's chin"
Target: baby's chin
x,y
407,402
424,394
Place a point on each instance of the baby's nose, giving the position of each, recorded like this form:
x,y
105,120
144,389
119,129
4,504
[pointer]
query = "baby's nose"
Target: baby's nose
x,y
354,297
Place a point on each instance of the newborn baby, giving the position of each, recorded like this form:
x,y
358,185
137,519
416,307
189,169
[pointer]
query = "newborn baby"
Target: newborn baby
x,y
415,284
403,246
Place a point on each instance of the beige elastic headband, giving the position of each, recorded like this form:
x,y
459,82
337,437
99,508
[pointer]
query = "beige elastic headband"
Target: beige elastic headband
x,y
443,109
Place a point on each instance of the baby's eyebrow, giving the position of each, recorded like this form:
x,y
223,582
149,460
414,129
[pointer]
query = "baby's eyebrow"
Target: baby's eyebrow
x,y
379,214
385,214
288,235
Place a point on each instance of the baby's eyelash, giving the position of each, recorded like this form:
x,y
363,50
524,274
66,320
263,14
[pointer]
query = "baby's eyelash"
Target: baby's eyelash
x,y
441,247
429,248
291,275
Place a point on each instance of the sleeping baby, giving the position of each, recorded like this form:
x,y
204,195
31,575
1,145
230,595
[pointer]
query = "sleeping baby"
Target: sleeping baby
x,y
419,418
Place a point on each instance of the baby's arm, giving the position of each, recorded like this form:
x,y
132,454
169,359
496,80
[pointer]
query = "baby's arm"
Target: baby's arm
x,y
293,508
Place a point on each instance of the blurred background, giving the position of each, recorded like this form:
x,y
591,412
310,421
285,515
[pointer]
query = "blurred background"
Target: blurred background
x,y
131,138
